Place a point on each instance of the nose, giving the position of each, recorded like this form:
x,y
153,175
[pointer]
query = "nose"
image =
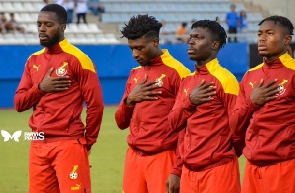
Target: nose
x,y
135,53
261,37
41,27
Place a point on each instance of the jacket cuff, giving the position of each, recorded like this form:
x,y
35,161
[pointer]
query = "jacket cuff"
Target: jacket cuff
x,y
176,172
251,106
187,104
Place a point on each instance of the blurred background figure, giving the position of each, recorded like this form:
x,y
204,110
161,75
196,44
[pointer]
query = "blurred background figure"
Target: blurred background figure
x,y
45,2
81,10
97,8
243,26
232,21
182,33
2,28
14,26
70,6
3,23
165,34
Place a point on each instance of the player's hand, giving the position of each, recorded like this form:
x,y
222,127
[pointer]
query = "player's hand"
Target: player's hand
x,y
54,84
143,91
173,184
202,93
263,94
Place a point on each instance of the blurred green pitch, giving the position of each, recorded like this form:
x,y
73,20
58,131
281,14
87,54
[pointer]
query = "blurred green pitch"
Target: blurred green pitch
x,y
107,155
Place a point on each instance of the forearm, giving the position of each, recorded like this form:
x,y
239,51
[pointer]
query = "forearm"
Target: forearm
x,y
123,115
177,118
25,99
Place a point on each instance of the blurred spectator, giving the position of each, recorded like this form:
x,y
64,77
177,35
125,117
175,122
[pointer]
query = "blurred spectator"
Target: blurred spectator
x,y
45,2
165,34
243,27
14,26
97,8
81,10
232,21
3,23
70,6
182,33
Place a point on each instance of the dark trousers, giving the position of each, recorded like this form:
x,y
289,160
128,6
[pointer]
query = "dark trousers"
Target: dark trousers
x,y
232,30
83,15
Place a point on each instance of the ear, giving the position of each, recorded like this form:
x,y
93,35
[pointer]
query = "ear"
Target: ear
x,y
63,27
215,45
156,42
288,39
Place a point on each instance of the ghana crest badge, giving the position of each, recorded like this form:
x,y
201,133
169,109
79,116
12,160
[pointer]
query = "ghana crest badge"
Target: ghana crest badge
x,y
74,175
61,71
159,81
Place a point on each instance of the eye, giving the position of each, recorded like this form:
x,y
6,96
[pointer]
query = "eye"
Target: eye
x,y
270,33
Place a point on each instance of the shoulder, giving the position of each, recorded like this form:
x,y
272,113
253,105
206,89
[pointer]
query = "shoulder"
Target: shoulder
x,y
83,59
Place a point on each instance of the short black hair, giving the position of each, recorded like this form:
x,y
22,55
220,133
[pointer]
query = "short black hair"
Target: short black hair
x,y
141,26
216,29
59,10
285,22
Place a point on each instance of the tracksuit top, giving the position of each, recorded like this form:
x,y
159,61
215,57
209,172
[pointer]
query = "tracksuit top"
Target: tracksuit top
x,y
148,120
207,140
268,130
58,114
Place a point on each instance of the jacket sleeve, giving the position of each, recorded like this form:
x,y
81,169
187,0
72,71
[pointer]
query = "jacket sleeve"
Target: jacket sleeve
x,y
124,113
230,92
27,94
239,119
177,167
181,111
92,94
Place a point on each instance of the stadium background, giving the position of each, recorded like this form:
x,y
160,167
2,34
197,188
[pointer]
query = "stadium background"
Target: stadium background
x,y
112,57
113,60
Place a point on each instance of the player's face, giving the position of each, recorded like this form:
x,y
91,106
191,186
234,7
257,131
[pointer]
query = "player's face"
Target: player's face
x,y
49,29
271,40
143,50
200,44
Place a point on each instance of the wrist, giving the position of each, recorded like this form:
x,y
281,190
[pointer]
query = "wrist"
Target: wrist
x,y
129,102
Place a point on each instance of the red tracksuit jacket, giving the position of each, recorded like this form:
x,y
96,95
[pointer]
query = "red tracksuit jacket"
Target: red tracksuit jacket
x,y
207,141
148,122
267,133
58,115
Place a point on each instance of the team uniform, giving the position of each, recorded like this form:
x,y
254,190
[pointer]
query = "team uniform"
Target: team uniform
x,y
209,159
267,134
64,151
151,156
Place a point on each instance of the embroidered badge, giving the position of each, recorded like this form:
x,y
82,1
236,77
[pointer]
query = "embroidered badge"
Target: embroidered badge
x,y
74,175
61,71
281,88
159,81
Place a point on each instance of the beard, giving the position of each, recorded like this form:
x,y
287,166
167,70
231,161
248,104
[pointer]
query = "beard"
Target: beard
x,y
51,41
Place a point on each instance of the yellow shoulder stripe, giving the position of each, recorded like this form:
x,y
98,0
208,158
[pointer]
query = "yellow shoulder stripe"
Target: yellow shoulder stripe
x,y
84,60
168,60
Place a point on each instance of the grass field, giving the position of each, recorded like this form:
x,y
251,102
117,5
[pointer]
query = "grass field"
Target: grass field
x,y
107,155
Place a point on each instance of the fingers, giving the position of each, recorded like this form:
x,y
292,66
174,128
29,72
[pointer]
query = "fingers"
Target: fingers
x,y
270,83
144,79
49,71
260,83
